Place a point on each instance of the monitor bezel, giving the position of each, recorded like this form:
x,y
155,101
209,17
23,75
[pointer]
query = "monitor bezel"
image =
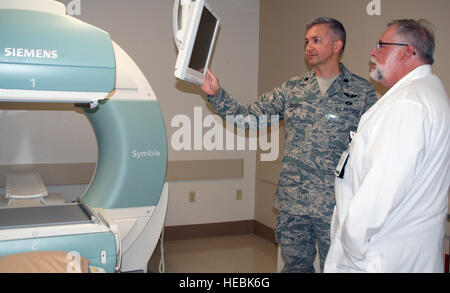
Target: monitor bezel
x,y
182,69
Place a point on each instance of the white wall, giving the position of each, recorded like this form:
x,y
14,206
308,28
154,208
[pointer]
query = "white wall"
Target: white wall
x,y
144,30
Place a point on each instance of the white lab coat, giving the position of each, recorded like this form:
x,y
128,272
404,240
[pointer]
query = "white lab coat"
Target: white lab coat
x,y
391,205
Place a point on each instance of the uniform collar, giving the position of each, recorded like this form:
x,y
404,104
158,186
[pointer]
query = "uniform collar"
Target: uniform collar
x,y
343,80
345,73
418,73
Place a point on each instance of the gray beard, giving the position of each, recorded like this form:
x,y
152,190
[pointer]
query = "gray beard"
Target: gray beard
x,y
376,75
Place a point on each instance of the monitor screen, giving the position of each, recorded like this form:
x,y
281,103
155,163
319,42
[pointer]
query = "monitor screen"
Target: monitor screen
x,y
196,48
203,41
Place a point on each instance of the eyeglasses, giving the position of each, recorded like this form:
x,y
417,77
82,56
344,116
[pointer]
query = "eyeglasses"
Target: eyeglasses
x,y
380,45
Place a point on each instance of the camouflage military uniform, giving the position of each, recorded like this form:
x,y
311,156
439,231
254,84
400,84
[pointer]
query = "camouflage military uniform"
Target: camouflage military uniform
x,y
317,132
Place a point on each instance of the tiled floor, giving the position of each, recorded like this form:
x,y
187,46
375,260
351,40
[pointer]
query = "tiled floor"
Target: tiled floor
x,y
227,254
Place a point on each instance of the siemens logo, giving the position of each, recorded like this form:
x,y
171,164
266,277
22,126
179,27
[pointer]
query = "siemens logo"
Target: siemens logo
x,y
30,53
147,154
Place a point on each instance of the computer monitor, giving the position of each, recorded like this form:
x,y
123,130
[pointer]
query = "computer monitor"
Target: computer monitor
x,y
196,48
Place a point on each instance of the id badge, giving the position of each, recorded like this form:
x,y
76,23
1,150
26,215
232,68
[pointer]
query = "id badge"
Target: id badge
x,y
339,172
340,168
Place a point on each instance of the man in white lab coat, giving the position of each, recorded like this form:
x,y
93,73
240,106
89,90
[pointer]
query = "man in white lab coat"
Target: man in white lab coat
x,y
391,202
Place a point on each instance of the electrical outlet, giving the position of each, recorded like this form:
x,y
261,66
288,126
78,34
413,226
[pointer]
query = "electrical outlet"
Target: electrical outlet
x,y
192,196
239,194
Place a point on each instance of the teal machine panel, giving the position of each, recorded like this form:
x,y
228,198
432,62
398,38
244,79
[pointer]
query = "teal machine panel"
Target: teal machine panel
x,y
47,52
132,154
89,246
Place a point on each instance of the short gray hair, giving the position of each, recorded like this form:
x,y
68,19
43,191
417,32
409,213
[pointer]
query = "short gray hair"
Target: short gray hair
x,y
335,26
420,34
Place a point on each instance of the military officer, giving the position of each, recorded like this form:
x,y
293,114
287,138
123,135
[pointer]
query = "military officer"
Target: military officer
x,y
320,108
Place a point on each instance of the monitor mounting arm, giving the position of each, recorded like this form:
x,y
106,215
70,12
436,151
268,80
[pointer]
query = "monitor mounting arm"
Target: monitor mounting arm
x,y
179,29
